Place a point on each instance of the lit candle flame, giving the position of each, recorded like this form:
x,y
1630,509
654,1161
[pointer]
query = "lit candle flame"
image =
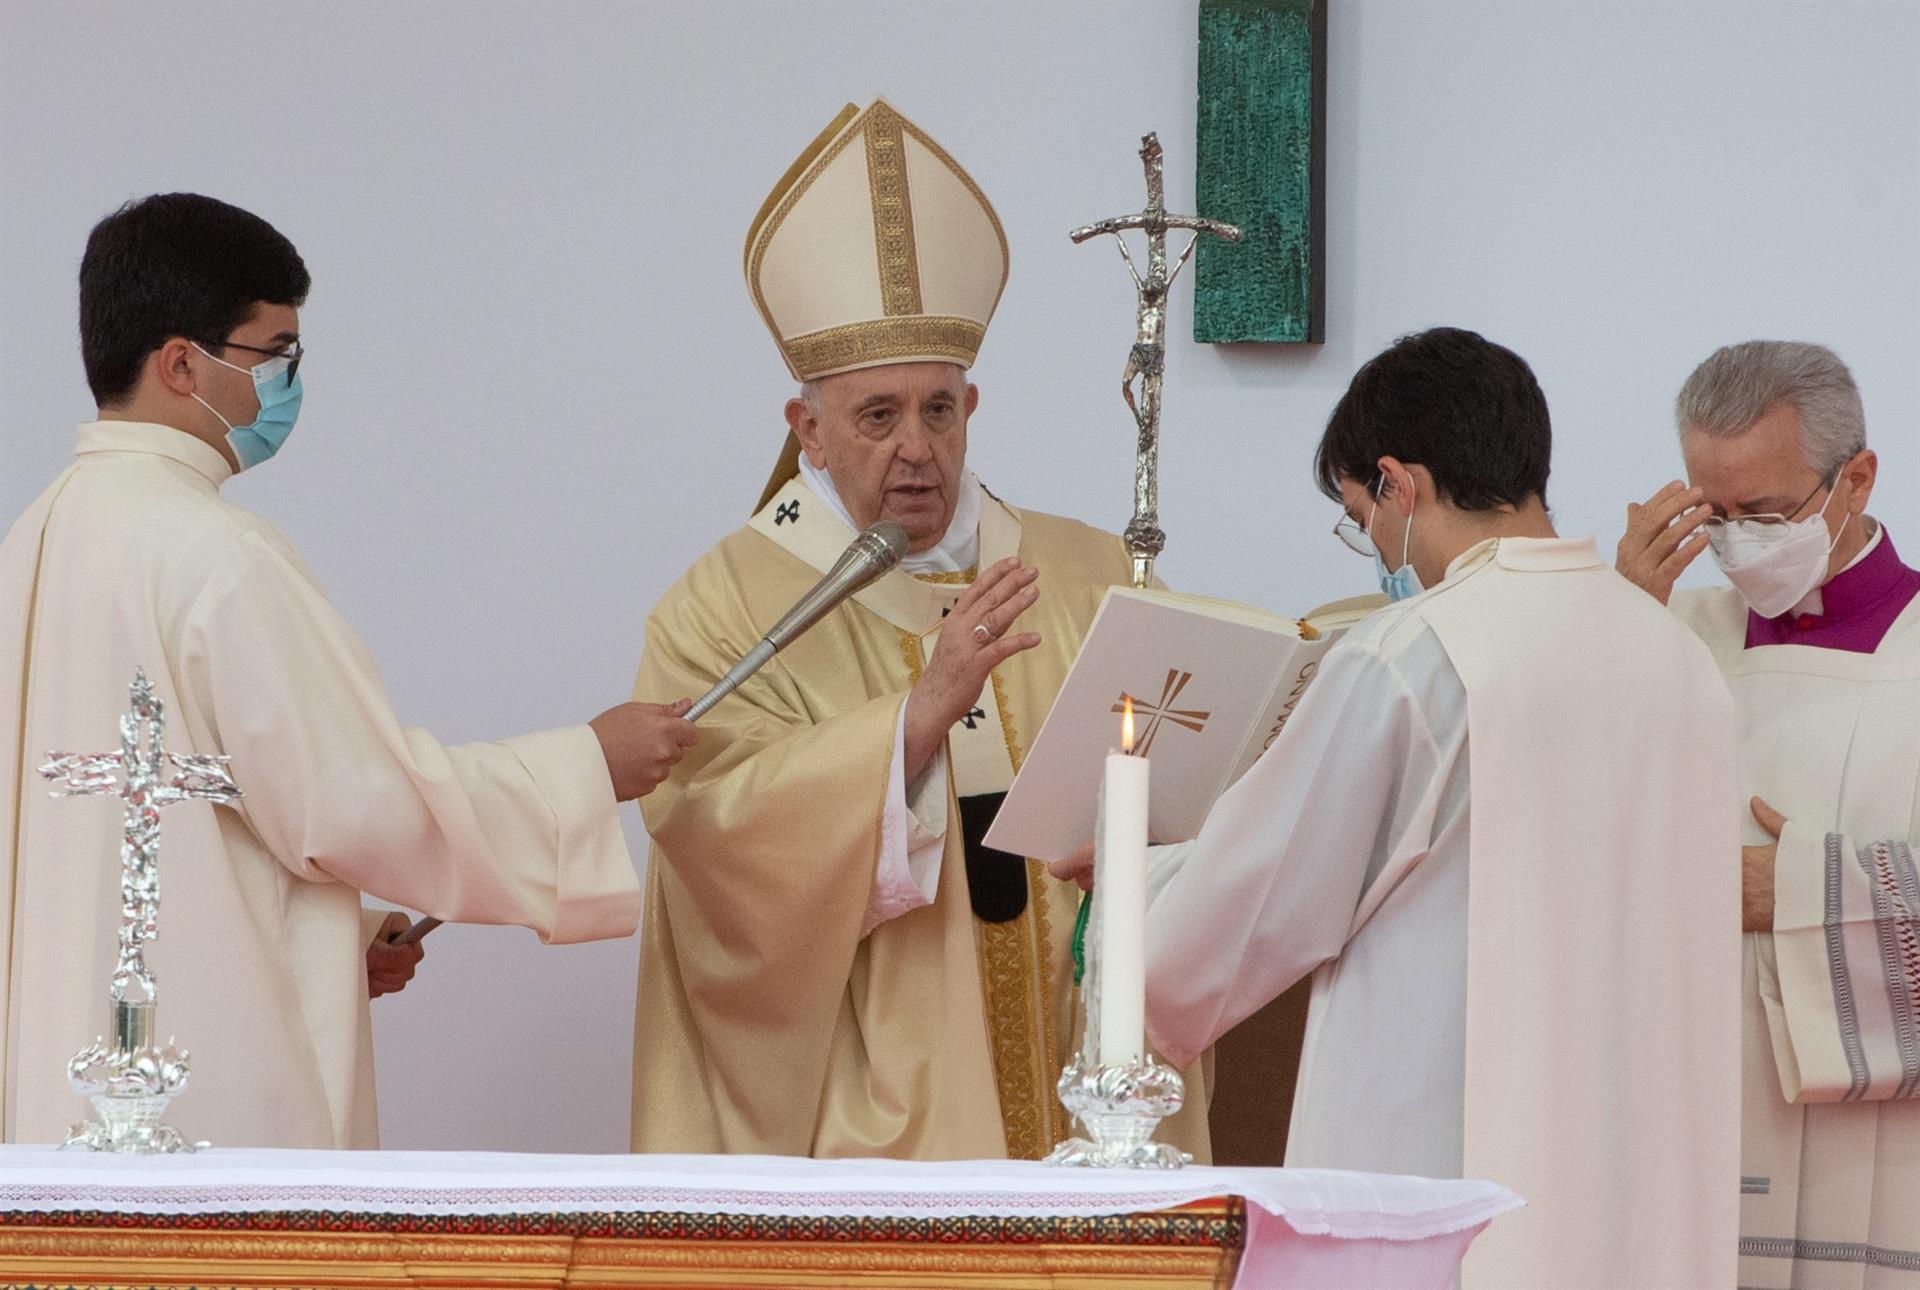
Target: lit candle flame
x,y
1126,725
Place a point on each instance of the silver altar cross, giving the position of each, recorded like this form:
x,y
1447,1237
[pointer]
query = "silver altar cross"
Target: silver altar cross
x,y
1147,360
131,1082
135,776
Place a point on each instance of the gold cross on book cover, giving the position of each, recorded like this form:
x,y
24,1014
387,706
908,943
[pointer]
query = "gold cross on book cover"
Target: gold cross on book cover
x,y
1227,675
1157,714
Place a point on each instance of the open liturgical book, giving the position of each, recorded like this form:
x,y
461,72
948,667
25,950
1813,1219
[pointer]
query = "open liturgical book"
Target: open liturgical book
x,y
1212,682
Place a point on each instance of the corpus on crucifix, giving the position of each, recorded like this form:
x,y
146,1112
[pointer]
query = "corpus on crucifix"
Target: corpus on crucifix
x,y
1147,360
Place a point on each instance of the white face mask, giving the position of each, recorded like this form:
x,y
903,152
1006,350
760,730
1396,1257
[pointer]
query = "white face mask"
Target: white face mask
x,y
1774,566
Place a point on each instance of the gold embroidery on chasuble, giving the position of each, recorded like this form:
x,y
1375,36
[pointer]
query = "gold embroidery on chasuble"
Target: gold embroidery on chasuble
x,y
1015,957
1019,985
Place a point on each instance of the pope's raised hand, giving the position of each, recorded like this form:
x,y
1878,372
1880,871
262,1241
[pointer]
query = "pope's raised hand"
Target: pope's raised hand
x,y
974,639
1662,538
642,743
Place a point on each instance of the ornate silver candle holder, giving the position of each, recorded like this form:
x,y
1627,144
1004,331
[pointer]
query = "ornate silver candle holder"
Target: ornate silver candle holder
x,y
1120,1107
129,1085
131,1082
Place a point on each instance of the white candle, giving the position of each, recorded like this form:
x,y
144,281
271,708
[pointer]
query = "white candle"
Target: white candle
x,y
1120,902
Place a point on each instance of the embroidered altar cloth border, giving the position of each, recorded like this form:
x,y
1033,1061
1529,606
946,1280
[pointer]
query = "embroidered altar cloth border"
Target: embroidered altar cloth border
x,y
1313,1202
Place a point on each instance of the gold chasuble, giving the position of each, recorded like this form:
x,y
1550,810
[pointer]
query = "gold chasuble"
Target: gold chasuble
x,y
766,1021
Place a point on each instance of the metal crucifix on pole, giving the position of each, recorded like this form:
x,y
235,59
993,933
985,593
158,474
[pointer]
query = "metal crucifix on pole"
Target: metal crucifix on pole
x,y
1146,362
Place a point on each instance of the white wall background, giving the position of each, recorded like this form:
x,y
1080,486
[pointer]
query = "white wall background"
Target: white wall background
x,y
537,389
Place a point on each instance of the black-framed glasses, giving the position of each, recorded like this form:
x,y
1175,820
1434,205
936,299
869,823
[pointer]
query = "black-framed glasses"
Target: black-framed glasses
x,y
292,353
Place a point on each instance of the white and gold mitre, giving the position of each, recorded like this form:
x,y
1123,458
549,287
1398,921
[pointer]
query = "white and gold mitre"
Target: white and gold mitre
x,y
875,247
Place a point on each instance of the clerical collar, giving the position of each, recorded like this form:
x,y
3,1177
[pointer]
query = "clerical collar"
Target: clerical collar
x,y
1856,607
955,553
1527,554
155,440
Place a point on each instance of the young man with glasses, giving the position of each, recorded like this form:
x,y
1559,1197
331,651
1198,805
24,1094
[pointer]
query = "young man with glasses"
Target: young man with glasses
x,y
131,559
1488,833
1819,639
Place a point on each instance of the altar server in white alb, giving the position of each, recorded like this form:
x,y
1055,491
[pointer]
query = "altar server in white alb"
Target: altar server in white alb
x,y
132,559
1493,832
1819,638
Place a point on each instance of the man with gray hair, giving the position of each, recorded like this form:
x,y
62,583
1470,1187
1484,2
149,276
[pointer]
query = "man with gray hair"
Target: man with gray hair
x,y
1819,639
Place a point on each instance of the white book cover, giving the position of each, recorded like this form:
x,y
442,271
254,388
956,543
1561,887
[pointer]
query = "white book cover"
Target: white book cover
x,y
1212,683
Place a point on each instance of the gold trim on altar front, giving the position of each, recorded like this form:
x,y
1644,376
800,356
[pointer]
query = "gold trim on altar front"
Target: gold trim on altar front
x,y
163,1255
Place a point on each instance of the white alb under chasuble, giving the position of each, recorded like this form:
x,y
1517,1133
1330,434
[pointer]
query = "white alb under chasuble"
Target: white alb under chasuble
x,y
1830,1149
1591,1039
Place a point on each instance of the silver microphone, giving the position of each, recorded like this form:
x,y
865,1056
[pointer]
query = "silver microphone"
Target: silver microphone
x,y
871,554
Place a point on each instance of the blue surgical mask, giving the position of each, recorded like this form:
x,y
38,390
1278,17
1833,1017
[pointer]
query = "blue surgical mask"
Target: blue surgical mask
x,y
1399,583
261,437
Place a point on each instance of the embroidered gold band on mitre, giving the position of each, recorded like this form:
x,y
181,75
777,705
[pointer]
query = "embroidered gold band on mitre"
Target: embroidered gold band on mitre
x,y
884,340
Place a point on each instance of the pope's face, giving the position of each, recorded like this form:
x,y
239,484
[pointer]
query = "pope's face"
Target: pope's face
x,y
894,441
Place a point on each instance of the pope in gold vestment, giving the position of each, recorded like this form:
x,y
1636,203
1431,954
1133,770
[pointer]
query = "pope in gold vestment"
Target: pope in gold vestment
x,y
767,1022
832,964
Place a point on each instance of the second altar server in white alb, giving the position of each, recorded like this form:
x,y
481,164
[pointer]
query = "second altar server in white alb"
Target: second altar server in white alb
x,y
1497,833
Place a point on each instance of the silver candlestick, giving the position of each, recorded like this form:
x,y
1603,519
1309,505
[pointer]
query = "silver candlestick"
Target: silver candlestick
x,y
1119,1105
131,1081
1147,361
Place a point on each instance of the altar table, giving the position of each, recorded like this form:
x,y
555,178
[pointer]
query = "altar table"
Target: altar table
x,y
259,1218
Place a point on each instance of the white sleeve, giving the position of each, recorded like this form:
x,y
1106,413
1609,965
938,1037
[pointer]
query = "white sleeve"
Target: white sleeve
x,y
1164,863
913,835
521,831
1269,889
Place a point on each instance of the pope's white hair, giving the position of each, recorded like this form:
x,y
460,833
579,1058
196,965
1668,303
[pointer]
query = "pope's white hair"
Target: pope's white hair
x,y
1741,383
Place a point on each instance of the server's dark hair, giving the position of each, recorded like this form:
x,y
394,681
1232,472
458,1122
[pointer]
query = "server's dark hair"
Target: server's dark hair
x,y
1468,410
175,264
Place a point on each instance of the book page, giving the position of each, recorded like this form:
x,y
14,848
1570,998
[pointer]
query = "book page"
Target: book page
x,y
1201,683
1227,610
1338,615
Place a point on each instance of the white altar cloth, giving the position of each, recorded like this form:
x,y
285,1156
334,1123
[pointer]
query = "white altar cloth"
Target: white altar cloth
x,y
1361,1218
